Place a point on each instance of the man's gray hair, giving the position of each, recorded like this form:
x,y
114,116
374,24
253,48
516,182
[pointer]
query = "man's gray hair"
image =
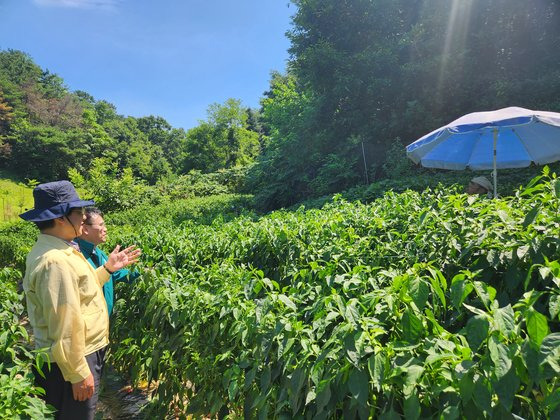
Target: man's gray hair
x,y
92,211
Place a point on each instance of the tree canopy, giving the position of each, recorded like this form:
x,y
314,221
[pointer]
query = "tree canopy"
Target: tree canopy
x,y
45,129
369,73
364,78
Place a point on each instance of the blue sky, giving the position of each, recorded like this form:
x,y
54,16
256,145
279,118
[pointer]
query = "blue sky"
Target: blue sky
x,y
170,58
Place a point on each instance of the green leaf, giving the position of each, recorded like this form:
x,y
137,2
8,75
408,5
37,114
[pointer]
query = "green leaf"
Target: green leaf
x,y
485,293
554,306
550,348
350,347
522,251
506,387
363,412
466,387
513,277
288,302
482,395
530,217
438,290
450,413
459,292
500,357
265,379
262,412
422,217
552,401
376,367
323,396
531,360
556,185
477,330
310,397
504,321
532,186
413,373
296,382
504,217
419,291
537,326
436,327
390,414
412,407
232,390
250,377
358,384
437,274
412,326
351,314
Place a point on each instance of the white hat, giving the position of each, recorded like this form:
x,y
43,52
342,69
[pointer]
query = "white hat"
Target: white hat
x,y
483,182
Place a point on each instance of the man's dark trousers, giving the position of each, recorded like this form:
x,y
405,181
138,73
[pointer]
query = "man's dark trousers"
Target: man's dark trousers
x,y
59,392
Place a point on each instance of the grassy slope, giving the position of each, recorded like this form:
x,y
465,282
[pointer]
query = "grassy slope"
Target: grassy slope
x,y
15,197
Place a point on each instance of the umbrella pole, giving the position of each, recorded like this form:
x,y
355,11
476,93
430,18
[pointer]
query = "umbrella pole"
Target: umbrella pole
x,y
495,172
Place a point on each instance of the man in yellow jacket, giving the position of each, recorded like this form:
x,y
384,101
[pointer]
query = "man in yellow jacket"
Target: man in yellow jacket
x,y
65,301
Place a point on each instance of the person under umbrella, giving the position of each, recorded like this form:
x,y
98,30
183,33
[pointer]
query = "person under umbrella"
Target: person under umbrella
x,y
479,185
511,137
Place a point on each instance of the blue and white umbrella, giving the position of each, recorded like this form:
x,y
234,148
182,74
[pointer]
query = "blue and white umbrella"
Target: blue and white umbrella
x,y
507,138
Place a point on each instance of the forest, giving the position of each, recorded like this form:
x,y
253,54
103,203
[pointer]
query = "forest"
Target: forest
x,y
376,74
296,264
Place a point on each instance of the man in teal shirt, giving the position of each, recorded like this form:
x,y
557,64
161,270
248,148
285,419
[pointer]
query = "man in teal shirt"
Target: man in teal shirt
x,y
94,233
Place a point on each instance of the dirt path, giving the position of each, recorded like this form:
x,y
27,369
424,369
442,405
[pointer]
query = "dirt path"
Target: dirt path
x,y
118,401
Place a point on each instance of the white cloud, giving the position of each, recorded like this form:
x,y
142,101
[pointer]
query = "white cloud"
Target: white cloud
x,y
80,4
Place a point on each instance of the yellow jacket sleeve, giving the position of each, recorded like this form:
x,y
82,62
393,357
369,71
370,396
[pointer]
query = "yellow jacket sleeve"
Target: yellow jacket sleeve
x,y
102,275
60,295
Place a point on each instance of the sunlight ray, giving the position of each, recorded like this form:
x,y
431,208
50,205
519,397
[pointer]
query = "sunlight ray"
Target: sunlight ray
x,y
455,39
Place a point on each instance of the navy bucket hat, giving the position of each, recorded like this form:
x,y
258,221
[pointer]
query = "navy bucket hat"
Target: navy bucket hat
x,y
53,200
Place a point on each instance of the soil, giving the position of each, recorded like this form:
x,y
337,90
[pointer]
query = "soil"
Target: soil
x,y
118,400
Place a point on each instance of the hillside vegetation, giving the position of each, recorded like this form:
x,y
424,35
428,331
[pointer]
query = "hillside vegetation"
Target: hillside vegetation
x,y
15,197
295,263
416,305
364,78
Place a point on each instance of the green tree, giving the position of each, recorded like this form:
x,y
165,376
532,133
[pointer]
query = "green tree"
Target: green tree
x,y
282,171
105,112
17,67
46,153
111,189
146,160
172,141
372,71
223,141
6,114
45,129
133,150
202,149
255,124
16,70
52,85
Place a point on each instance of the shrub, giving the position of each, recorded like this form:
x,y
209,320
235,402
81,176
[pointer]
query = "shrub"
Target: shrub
x,y
19,398
16,239
109,190
418,305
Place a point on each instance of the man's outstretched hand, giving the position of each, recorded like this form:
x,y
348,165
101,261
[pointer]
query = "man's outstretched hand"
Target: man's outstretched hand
x,y
119,259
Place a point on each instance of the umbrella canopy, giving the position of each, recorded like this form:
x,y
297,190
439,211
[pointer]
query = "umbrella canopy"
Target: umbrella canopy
x,y
523,136
507,138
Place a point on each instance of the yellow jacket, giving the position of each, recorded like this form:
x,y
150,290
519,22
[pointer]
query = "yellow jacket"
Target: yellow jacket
x,y
66,306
